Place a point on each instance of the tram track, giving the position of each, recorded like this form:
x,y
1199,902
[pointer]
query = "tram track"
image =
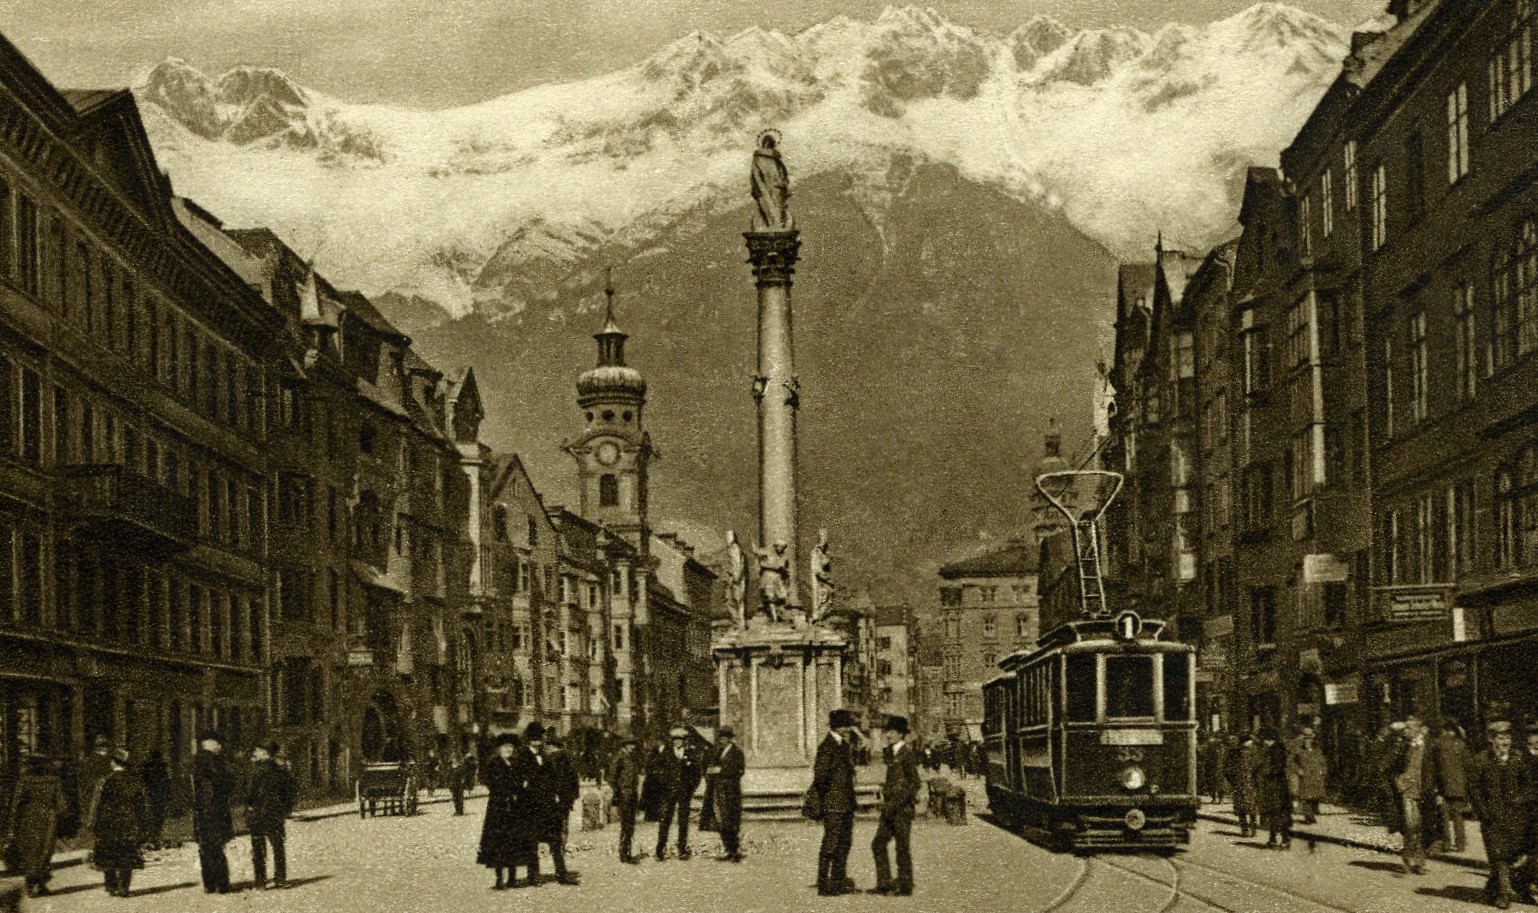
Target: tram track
x,y
1070,892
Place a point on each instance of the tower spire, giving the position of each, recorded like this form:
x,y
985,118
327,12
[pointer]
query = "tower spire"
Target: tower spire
x,y
611,339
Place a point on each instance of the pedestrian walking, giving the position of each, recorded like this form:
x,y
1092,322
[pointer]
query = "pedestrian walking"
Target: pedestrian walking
x,y
156,776
554,788
37,809
726,772
269,802
1412,778
94,769
501,847
1273,796
625,779
433,768
1451,771
899,795
119,824
1239,767
457,785
213,789
833,784
1308,774
677,772
1500,787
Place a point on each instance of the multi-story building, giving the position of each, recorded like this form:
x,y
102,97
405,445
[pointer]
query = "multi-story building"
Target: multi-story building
x,y
988,609
929,679
133,480
894,678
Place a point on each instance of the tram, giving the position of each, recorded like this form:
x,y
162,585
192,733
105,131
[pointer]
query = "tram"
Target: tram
x,y
1091,735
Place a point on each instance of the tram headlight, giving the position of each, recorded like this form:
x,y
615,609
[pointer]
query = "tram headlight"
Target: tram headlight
x,y
1132,778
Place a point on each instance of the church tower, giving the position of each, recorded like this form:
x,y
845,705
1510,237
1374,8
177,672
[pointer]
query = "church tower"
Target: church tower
x,y
614,449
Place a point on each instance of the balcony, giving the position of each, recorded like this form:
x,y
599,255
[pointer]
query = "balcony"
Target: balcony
x,y
128,509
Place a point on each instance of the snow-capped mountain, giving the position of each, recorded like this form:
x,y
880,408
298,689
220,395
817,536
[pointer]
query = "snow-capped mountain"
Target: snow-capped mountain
x,y
1125,131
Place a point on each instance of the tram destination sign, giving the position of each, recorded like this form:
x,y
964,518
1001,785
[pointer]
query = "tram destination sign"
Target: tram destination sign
x,y
1415,603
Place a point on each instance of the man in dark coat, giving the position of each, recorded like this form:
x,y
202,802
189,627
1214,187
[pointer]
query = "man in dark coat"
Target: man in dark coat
x,y
1500,787
726,772
118,824
833,781
156,776
37,806
1239,769
456,782
1411,776
677,771
213,789
539,804
94,768
1452,784
269,802
553,788
898,796
501,846
625,780
1272,792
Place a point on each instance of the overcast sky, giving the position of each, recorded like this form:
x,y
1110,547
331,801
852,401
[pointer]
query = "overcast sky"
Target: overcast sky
x,y
433,53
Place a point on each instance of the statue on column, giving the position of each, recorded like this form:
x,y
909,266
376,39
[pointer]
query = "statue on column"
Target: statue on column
x,y
771,186
822,578
736,580
773,579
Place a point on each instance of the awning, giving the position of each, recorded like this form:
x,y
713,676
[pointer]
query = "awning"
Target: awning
x,y
372,576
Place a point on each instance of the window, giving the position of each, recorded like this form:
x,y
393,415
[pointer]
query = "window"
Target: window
x,y
1465,340
1263,617
1460,529
950,596
1177,688
1510,69
31,417
1079,672
1298,333
27,265
619,637
1378,194
1392,544
1458,133
1257,358
990,659
1306,225
1420,370
1129,691
61,450
1427,540
1022,625
1327,202
1505,520
1300,456
1525,274
1332,597
533,533
1348,160
1415,175
608,490
1257,497
1388,387
990,625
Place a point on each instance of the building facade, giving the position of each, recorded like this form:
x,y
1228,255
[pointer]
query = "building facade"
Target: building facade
x,y
988,609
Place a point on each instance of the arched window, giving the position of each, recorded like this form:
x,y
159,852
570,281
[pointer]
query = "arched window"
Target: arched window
x,y
608,490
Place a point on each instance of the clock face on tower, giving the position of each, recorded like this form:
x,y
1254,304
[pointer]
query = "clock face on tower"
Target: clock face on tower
x,y
608,453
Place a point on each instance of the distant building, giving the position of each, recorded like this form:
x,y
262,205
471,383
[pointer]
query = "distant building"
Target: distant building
x,y
988,610
894,679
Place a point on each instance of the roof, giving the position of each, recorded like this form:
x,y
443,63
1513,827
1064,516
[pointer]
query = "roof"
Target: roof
x,y
1013,560
83,100
359,306
1135,284
894,614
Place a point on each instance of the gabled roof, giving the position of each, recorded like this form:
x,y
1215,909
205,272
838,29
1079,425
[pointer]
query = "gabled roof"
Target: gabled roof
x,y
1258,180
1013,560
107,120
1134,287
360,307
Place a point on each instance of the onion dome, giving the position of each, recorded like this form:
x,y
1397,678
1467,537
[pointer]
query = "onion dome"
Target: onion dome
x,y
611,378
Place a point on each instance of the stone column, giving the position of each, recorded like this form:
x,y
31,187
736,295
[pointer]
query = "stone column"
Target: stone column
x,y
773,257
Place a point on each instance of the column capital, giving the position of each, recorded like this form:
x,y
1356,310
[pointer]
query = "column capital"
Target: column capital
x,y
773,255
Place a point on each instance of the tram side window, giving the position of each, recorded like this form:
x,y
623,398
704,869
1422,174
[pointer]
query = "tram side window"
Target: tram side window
x,y
1080,686
1177,703
1129,687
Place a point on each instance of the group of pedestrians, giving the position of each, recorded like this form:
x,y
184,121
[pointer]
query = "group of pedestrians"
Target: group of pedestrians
x,y
532,787
832,800
1264,775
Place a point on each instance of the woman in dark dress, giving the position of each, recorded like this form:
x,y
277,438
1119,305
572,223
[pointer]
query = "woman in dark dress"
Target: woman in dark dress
x,y
120,826
502,841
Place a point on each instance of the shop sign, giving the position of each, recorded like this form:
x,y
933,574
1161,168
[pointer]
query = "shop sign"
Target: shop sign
x,y
1219,626
1346,691
1416,603
360,656
1325,569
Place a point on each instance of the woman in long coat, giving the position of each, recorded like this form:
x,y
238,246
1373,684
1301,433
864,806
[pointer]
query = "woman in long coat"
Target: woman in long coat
x,y
121,825
35,812
1239,769
1309,772
503,842
1273,797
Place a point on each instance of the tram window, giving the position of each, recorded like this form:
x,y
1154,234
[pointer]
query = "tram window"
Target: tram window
x,y
1177,704
1129,686
1081,687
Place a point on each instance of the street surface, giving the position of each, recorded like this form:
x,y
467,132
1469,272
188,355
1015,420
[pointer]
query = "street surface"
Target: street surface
x,y
426,863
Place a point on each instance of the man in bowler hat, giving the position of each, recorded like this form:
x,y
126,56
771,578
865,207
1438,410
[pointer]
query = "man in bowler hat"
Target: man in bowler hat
x,y
213,789
269,801
726,793
678,773
898,796
833,781
625,778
